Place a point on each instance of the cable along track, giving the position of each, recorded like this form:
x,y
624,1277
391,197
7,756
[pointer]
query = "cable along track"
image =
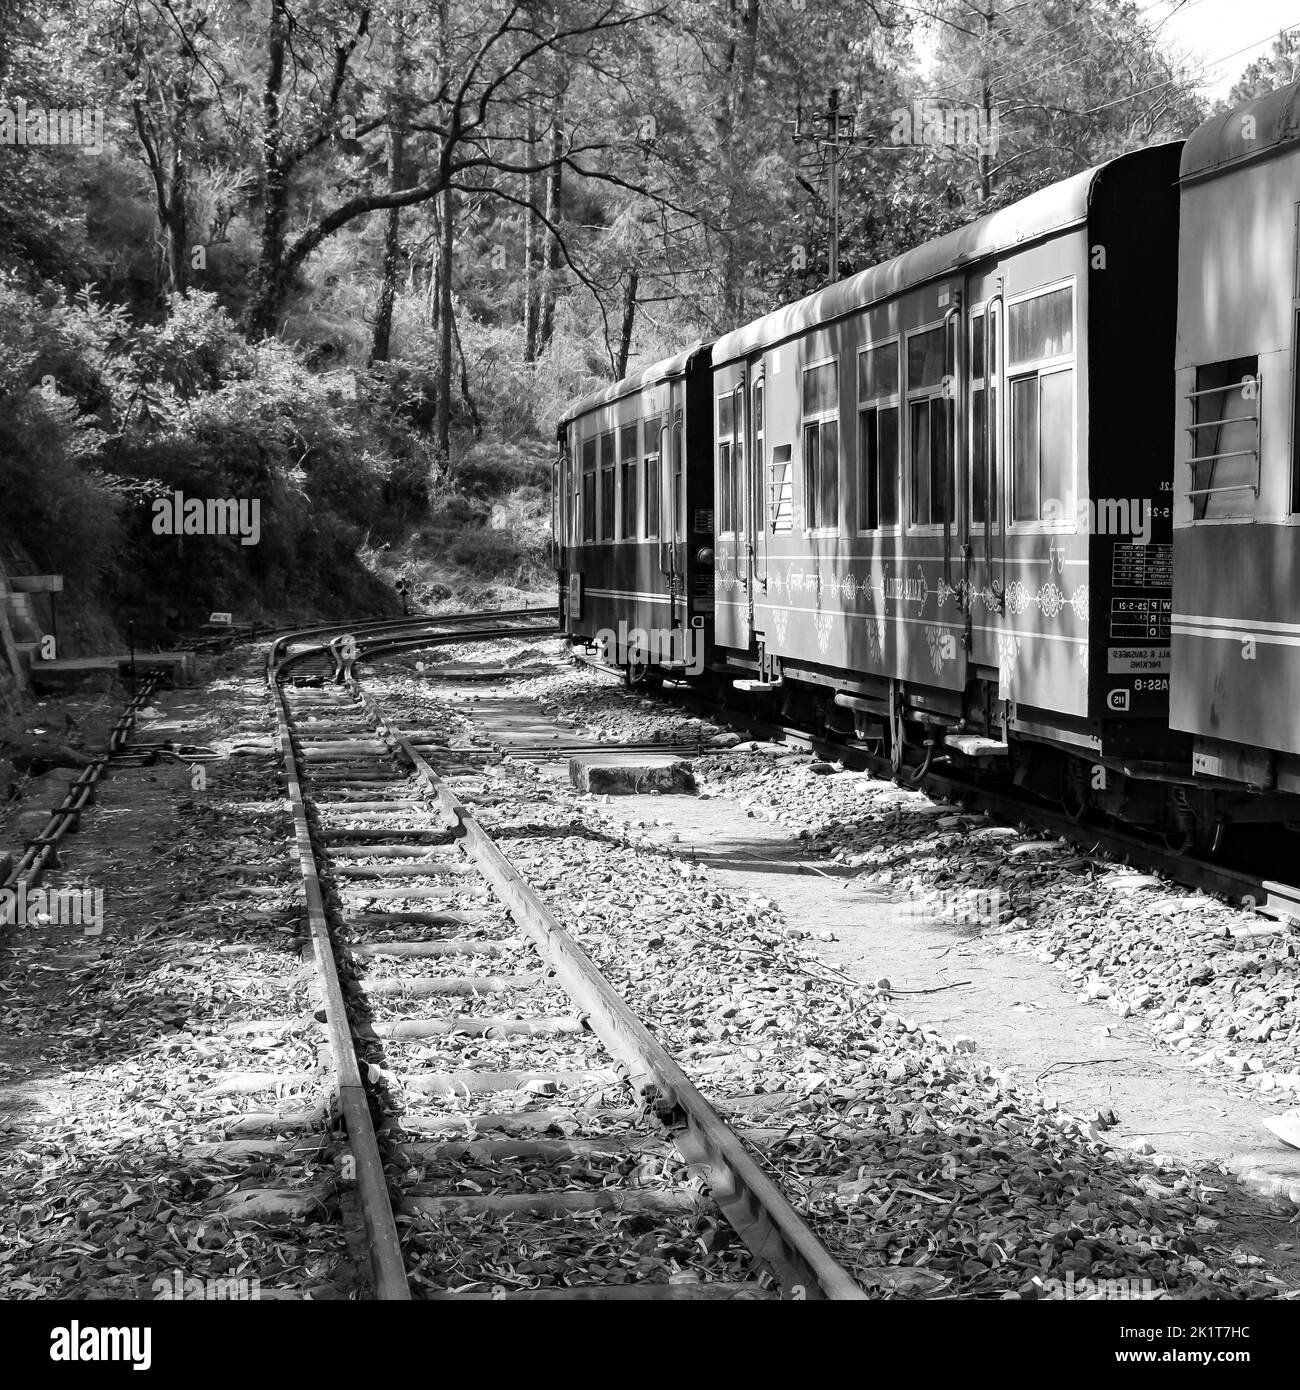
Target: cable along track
x,y
456,969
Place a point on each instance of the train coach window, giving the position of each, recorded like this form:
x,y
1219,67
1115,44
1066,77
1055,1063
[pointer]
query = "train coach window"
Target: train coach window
x,y
821,446
588,507
780,490
650,472
724,486
929,429
1224,438
1040,365
1042,412
1041,327
878,437
629,439
607,484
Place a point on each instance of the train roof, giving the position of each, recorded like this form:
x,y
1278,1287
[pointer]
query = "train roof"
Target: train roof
x,y
666,370
1253,131
1050,210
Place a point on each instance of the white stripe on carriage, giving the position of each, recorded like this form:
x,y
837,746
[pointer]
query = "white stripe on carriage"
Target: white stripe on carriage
x,y
627,593
1254,624
790,556
1027,633
1227,634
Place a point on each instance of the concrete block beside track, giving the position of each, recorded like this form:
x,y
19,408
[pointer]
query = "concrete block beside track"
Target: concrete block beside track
x,y
631,774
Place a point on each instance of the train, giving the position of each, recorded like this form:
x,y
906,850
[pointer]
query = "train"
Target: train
x,y
1023,500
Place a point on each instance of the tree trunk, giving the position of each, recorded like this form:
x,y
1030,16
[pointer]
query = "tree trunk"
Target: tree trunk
x,y
270,278
392,256
625,328
398,116
532,247
466,394
178,221
554,194
445,247
13,677
169,190
986,101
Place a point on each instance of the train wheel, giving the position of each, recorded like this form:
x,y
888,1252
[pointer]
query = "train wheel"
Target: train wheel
x,y
896,741
1204,838
1075,801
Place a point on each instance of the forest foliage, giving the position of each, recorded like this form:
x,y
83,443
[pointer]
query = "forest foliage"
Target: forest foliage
x,y
352,258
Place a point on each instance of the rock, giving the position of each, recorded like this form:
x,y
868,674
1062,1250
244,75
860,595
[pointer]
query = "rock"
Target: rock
x,y
601,775
274,1205
962,1043
34,756
726,740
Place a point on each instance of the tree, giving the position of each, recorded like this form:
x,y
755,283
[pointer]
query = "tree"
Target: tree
x,y
1279,67
470,121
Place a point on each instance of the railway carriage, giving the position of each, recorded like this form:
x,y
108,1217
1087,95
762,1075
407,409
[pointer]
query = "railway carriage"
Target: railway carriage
x,y
633,498
1027,497
942,491
1236,621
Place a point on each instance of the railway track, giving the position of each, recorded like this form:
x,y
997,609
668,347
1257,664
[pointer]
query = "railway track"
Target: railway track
x,y
40,853
439,970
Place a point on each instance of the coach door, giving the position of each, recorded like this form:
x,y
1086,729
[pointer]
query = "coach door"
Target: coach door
x,y
559,512
672,472
754,505
984,536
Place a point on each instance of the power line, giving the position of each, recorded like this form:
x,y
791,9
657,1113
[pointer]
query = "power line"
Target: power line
x,y
1160,86
1213,62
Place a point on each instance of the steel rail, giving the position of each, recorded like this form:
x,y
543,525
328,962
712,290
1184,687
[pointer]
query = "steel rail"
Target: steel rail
x,y
373,626
41,852
753,1204
384,1241
388,1267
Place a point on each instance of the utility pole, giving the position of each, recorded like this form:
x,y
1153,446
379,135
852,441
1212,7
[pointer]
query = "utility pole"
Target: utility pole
x,y
839,135
833,184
